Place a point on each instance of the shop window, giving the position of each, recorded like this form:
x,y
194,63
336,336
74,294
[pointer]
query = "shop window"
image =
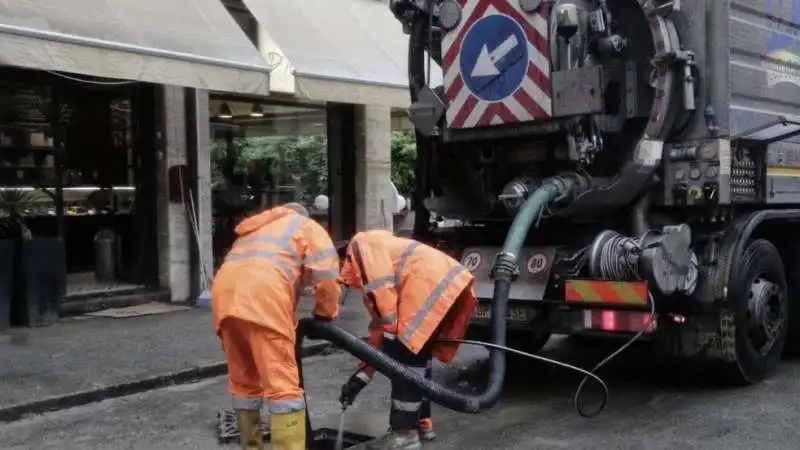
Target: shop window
x,y
99,166
265,155
83,190
27,153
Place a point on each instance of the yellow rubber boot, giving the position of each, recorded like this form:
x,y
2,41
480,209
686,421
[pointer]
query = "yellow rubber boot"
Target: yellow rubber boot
x,y
288,431
251,436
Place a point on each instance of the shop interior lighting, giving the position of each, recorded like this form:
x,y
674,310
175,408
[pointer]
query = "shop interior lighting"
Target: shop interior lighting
x,y
257,111
225,112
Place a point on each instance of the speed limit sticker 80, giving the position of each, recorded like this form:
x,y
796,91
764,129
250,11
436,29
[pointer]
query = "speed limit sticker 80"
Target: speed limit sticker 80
x,y
471,261
537,263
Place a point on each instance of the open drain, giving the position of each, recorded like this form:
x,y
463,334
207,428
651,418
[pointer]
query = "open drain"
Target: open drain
x,y
324,438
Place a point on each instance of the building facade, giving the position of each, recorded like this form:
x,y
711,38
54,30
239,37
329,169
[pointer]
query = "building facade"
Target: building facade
x,y
89,142
111,116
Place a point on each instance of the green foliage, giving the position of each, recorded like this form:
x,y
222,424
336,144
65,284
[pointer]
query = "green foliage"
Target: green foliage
x,y
299,164
404,153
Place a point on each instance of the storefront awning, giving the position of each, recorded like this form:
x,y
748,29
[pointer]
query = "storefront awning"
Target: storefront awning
x,y
349,51
176,42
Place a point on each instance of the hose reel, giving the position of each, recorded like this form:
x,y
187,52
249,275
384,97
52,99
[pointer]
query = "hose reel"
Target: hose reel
x,y
663,258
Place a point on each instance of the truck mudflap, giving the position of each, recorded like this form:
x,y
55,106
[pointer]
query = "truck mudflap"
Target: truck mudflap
x,y
705,335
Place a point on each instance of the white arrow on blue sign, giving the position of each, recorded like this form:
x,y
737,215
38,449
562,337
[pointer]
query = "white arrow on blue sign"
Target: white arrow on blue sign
x,y
494,57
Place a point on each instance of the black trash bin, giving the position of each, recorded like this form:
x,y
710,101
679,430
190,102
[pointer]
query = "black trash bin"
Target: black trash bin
x,y
41,281
107,251
6,281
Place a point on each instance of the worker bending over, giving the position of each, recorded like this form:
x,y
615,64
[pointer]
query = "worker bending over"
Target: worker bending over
x,y
253,302
415,295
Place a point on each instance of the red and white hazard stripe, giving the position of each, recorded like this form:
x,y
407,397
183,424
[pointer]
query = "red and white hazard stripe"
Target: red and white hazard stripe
x,y
531,101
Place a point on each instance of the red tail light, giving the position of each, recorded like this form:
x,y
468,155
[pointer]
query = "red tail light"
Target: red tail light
x,y
618,321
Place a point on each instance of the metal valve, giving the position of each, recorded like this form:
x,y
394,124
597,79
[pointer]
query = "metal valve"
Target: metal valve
x,y
567,20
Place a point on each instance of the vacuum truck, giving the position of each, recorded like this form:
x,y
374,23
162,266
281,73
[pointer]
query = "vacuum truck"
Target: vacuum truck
x,y
639,158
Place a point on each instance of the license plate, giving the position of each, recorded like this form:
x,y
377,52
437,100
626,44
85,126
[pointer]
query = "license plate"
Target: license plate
x,y
515,314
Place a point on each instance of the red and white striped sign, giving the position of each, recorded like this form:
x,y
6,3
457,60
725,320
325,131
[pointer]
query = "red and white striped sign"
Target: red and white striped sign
x,y
530,101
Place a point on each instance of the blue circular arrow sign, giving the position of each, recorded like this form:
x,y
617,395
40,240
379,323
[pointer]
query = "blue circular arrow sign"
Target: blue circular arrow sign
x,y
494,57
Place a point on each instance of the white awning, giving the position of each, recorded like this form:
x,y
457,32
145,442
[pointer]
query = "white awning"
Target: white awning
x,y
175,42
348,51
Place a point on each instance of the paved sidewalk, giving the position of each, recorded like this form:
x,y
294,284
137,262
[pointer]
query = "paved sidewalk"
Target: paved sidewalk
x,y
86,359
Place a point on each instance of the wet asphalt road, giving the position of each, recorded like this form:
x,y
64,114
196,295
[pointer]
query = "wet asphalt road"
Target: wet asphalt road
x,y
653,406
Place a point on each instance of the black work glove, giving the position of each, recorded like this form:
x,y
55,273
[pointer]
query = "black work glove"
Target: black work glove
x,y
310,332
353,386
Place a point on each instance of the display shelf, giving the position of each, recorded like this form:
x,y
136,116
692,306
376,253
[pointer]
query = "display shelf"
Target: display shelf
x,y
25,149
41,200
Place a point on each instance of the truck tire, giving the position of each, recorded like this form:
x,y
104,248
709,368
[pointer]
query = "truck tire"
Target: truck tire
x,y
792,347
759,304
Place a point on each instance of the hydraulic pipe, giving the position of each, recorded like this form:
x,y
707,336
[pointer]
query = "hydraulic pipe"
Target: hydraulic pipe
x,y
416,81
504,272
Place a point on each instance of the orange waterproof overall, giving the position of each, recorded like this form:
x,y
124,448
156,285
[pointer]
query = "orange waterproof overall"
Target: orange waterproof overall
x,y
415,295
253,301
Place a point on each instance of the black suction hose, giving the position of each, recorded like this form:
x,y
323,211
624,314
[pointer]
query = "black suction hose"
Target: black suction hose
x,y
504,271
298,357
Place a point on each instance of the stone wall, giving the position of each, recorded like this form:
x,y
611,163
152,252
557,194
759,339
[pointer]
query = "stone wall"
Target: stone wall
x,y
373,167
175,235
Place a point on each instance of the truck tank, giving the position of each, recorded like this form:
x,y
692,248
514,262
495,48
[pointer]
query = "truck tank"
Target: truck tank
x,y
680,121
609,87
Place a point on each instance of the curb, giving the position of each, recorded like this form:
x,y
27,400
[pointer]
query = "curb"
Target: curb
x,y
16,412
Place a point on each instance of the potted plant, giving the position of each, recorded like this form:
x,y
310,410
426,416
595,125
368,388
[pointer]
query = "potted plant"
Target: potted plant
x,y
39,278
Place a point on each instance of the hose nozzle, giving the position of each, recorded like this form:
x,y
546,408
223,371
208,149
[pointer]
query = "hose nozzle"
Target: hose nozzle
x,y
569,185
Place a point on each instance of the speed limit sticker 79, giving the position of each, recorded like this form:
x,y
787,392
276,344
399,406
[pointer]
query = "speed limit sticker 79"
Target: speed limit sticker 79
x,y
471,261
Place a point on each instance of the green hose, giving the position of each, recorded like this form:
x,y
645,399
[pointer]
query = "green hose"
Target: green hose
x,y
552,190
527,216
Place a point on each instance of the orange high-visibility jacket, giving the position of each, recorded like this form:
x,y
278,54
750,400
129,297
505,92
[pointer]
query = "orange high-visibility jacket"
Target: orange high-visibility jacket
x,y
411,290
262,276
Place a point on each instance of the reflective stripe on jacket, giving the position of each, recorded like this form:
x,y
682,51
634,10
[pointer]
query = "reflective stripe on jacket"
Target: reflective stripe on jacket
x,y
262,276
410,290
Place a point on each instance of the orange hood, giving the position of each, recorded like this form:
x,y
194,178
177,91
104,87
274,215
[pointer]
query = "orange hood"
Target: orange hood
x,y
253,223
350,275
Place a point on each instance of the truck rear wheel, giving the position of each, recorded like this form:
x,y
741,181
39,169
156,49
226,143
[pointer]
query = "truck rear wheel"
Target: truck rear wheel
x,y
758,301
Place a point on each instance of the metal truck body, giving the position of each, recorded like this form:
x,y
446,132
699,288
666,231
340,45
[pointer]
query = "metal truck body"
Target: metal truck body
x,y
678,123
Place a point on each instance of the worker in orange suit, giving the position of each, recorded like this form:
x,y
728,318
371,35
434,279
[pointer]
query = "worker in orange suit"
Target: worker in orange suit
x,y
416,295
253,301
